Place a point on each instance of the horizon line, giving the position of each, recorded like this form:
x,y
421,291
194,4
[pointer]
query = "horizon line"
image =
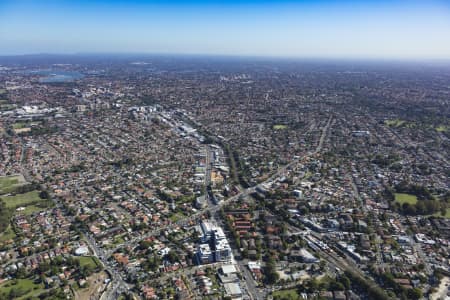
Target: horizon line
x,y
227,55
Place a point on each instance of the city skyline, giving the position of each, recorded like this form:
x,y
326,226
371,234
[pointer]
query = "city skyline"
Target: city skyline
x,y
297,29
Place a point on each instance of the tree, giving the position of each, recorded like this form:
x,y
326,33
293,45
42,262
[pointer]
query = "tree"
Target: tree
x,y
86,270
345,282
44,195
414,293
322,265
144,245
172,256
21,273
336,286
44,267
271,275
374,292
313,285
244,253
409,209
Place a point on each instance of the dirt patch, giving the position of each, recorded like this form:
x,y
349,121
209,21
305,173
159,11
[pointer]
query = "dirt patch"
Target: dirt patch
x,y
96,285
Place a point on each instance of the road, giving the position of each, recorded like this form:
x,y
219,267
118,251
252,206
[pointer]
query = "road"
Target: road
x,y
251,287
208,165
336,262
213,209
118,285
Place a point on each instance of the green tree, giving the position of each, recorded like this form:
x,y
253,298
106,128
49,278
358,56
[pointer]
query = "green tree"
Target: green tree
x,y
345,282
271,275
414,294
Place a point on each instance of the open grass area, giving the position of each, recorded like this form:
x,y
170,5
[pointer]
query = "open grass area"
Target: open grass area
x,y
118,240
2,91
19,125
4,101
21,199
175,217
405,198
23,288
31,209
442,128
88,261
31,202
8,184
279,127
286,295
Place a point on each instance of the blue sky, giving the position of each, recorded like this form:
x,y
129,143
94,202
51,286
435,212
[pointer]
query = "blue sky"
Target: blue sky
x,y
398,29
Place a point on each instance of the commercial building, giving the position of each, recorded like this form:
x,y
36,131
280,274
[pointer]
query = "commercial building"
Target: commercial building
x,y
215,246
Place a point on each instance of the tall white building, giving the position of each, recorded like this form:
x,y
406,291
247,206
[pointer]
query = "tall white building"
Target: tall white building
x,y
214,240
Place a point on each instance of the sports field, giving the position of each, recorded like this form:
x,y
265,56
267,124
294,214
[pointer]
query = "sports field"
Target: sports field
x,y
279,127
405,198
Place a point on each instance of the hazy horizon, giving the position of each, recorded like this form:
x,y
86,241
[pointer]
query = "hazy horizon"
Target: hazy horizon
x,y
327,29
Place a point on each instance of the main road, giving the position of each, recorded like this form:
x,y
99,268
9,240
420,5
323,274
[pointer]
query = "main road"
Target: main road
x,y
118,283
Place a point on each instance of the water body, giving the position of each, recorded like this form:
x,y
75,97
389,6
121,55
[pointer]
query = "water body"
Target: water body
x,y
55,76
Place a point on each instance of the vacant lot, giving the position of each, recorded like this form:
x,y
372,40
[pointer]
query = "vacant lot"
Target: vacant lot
x,y
405,198
95,287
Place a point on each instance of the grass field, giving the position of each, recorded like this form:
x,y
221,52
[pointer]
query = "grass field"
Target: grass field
x,y
27,286
405,198
442,128
279,127
118,240
9,183
30,201
31,209
286,294
21,199
88,261
175,217
2,91
19,125
394,123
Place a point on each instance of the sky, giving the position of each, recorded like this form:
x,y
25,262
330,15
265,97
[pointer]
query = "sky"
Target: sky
x,y
393,29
